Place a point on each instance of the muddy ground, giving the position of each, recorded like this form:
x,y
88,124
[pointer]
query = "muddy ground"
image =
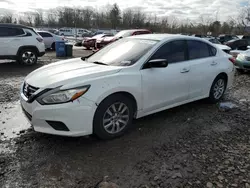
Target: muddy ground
x,y
194,145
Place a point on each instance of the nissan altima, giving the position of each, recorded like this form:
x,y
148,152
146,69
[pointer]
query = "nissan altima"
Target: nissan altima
x,y
133,77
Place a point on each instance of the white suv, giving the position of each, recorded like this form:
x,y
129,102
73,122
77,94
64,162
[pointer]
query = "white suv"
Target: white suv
x,y
20,43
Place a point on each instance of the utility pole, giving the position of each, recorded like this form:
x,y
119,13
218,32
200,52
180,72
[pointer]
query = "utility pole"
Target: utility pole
x,y
75,24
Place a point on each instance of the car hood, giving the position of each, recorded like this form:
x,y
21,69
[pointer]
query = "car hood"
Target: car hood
x,y
86,38
59,73
106,39
223,47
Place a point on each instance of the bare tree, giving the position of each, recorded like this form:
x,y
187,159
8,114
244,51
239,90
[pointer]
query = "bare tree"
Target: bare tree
x,y
7,18
205,21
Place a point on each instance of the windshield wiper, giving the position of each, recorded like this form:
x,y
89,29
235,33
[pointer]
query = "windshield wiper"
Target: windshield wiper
x,y
99,63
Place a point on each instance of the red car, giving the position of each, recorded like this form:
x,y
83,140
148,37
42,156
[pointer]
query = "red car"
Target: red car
x,y
101,42
89,42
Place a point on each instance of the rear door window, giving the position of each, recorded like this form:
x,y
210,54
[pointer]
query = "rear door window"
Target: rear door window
x,y
11,32
197,49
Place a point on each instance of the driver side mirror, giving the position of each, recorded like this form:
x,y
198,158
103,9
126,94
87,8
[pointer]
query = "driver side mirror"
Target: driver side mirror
x,y
156,63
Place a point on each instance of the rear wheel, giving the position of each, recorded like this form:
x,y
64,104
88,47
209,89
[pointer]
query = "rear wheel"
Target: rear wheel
x,y
28,57
218,88
113,116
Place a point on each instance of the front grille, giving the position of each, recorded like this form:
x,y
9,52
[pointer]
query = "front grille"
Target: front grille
x,y
29,90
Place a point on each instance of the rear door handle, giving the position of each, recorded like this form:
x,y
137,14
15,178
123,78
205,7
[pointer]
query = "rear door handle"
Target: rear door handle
x,y
184,70
213,63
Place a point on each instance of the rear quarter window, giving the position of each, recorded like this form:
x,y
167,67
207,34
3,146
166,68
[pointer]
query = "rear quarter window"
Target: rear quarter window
x,y
212,50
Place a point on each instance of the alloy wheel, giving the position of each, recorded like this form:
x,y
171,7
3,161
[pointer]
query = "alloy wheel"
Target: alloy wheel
x,y
29,57
219,88
116,118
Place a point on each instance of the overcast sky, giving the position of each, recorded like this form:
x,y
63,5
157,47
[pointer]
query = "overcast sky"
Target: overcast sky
x,y
182,9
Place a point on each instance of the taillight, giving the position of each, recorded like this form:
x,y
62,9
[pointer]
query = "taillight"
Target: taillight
x,y
232,59
39,39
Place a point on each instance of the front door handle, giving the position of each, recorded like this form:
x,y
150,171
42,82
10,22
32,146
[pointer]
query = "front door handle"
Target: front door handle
x,y
184,70
213,63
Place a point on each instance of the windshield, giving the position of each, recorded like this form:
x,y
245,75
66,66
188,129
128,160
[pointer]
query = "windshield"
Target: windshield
x,y
124,52
215,41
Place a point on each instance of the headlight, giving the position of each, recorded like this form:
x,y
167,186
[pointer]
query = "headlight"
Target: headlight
x,y
62,96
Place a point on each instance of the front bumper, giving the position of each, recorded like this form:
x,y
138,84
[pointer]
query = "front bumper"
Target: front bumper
x,y
99,45
41,54
88,44
77,116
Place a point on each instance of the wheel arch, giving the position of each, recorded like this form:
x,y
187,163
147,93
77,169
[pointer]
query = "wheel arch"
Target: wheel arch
x,y
224,75
126,94
28,47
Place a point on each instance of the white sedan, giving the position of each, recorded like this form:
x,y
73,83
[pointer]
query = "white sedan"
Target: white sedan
x,y
130,78
50,39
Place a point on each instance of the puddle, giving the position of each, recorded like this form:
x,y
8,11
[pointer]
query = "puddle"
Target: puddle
x,y
12,120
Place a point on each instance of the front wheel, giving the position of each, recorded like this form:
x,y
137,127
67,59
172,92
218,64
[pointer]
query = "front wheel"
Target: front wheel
x,y
28,57
113,117
218,89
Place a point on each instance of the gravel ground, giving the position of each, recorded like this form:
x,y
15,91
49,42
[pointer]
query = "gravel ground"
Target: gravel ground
x,y
194,145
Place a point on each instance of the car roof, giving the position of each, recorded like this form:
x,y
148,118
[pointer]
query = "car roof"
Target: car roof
x,y
15,25
160,37
43,31
132,30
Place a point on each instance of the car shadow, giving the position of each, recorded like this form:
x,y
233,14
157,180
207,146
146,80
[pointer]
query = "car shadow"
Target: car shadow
x,y
156,122
12,67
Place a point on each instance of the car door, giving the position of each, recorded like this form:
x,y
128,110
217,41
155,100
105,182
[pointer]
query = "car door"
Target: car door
x,y
3,40
10,40
203,67
162,87
47,38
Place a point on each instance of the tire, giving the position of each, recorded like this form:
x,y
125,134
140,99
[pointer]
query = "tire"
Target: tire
x,y
121,119
218,89
53,46
27,57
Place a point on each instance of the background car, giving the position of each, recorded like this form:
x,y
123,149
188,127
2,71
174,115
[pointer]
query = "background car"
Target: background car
x,y
89,42
225,38
20,43
242,61
247,37
237,44
217,43
124,33
50,39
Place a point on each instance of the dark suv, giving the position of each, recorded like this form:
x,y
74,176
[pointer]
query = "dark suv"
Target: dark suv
x,y
225,38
